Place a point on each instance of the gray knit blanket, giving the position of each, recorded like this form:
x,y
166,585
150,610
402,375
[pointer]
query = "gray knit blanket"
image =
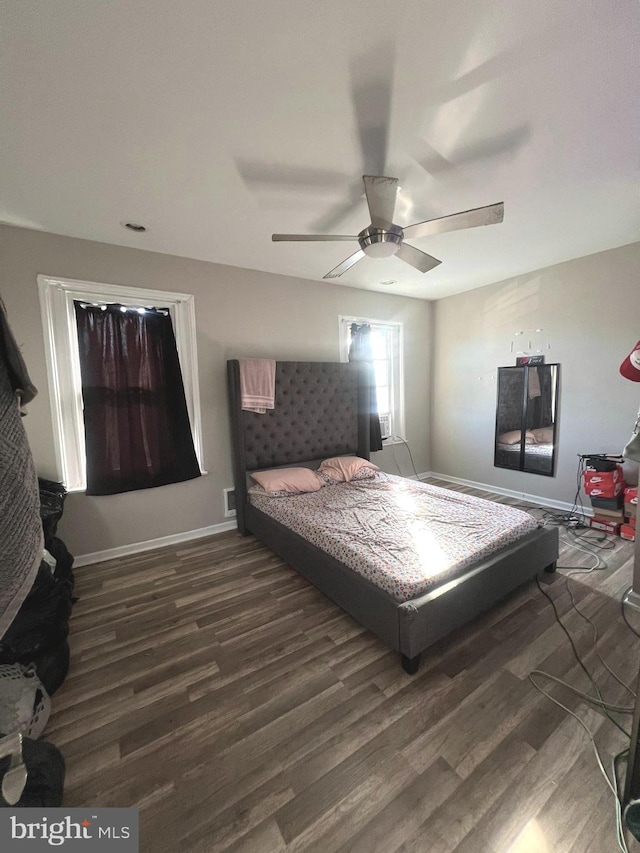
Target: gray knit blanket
x,y
21,539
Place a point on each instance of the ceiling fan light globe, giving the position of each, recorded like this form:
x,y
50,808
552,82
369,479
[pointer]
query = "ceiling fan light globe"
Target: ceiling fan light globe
x,y
381,250
380,242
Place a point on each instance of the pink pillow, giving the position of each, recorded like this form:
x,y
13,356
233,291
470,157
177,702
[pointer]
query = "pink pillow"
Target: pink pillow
x,y
543,435
514,436
294,480
343,469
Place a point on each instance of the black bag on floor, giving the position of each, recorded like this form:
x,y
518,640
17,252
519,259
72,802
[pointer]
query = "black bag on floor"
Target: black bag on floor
x,y
45,775
52,497
41,623
64,562
52,666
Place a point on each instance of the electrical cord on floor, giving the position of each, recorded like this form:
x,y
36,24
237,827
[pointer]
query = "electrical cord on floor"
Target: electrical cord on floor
x,y
550,517
590,543
595,635
603,542
577,501
599,566
599,701
622,844
575,517
600,541
604,706
619,817
624,613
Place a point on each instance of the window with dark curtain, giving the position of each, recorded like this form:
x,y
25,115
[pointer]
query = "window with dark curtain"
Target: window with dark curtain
x,y
137,429
360,350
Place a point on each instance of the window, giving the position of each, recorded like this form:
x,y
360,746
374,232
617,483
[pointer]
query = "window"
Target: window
x,y
386,344
57,298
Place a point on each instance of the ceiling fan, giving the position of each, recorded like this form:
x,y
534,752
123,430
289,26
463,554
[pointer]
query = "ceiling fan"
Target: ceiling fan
x,y
382,238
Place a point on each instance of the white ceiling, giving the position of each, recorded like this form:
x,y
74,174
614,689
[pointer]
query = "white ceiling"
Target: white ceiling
x,y
215,123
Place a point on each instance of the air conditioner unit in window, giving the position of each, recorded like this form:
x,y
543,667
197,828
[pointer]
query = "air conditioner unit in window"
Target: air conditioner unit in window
x,y
385,425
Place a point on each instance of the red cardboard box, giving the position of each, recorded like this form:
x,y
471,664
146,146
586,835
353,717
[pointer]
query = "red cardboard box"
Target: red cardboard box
x,y
604,490
628,532
603,484
605,526
603,477
632,522
631,494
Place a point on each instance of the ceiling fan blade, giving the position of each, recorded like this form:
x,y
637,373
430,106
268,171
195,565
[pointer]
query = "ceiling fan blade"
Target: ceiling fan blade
x,y
310,238
289,177
420,260
372,75
332,219
381,199
503,145
336,272
492,214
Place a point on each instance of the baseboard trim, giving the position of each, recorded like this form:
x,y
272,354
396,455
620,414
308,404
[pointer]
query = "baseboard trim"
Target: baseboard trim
x,y
150,544
509,493
200,533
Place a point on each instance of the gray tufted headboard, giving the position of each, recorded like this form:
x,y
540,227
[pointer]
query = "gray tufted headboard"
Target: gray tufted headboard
x,y
320,410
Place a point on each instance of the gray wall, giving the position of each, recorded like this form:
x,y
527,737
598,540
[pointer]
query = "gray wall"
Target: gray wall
x,y
239,313
589,310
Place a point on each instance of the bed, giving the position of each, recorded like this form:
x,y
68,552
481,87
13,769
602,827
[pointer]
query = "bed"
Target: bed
x,y
538,457
321,411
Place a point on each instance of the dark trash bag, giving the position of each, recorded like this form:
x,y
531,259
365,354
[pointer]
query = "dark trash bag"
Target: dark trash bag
x,y
52,497
52,666
41,623
45,775
64,561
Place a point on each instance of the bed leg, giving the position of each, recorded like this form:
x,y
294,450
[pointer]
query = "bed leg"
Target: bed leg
x,y
550,569
410,665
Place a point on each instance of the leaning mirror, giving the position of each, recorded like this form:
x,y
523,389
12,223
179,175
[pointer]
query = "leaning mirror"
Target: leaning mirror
x,y
526,418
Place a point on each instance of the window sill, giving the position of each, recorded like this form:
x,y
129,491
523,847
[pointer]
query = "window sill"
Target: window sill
x,y
80,490
386,442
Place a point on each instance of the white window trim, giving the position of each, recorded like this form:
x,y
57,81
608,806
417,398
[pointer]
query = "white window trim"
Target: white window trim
x,y
398,392
63,362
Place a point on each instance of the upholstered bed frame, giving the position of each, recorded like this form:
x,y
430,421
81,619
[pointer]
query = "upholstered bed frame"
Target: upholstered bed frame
x,y
321,411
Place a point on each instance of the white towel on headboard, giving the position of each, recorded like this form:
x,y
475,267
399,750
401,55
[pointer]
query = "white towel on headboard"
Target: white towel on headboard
x,y
257,384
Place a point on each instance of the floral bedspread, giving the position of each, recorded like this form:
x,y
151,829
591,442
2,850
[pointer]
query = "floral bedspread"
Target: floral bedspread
x,y
404,536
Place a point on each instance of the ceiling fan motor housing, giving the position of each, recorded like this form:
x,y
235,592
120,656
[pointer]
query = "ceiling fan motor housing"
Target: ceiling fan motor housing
x,y
380,242
383,239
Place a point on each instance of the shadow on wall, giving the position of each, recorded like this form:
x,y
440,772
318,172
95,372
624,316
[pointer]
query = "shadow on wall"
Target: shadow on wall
x,y
514,302
78,505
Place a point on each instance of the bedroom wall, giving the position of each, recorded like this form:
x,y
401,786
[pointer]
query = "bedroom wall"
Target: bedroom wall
x,y
240,312
589,310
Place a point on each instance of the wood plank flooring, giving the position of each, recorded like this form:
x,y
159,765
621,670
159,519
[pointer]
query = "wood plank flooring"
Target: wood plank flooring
x,y
242,711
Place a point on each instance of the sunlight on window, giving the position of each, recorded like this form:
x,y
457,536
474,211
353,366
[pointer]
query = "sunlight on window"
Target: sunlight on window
x,y
386,349
379,343
530,840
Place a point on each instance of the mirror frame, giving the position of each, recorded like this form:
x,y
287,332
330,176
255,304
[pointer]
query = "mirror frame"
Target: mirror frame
x,y
502,371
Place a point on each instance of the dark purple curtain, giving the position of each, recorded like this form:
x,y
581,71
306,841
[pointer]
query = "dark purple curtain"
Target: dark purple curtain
x,y
135,413
360,350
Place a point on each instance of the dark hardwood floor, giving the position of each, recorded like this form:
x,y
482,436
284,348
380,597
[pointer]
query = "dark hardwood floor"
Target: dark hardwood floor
x,y
242,711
